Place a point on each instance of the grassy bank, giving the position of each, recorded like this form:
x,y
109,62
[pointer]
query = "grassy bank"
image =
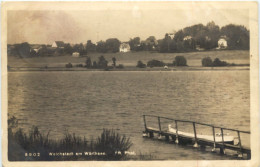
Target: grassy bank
x,y
130,59
132,68
35,145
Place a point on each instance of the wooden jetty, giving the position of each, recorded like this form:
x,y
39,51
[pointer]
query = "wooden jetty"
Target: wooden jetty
x,y
180,138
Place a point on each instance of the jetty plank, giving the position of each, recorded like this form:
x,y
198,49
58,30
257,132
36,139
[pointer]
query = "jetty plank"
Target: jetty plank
x,y
195,139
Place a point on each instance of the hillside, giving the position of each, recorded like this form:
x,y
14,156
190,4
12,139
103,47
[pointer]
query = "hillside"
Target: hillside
x,y
131,58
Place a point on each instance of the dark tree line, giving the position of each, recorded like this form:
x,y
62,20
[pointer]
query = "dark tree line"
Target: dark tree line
x,y
187,39
109,46
205,37
207,62
101,63
178,61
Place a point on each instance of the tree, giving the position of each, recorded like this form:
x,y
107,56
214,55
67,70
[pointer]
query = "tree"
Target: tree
x,y
90,47
237,36
88,62
140,64
94,64
68,49
112,45
102,62
189,44
212,36
178,36
218,63
155,63
204,36
114,61
165,44
151,43
82,49
79,48
135,44
69,65
101,47
206,62
180,61
23,49
179,45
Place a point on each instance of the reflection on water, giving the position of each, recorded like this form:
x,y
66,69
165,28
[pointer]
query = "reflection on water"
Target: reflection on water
x,y
87,102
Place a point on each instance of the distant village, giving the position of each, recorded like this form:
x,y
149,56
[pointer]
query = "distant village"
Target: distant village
x,y
194,38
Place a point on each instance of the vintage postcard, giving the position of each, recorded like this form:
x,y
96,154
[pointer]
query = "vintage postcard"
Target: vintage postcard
x,y
130,83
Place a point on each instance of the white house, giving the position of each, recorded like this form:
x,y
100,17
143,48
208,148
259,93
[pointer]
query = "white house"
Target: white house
x,y
36,48
187,38
222,43
75,54
58,44
124,47
199,48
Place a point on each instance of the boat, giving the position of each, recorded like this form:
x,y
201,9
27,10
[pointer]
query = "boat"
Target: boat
x,y
218,136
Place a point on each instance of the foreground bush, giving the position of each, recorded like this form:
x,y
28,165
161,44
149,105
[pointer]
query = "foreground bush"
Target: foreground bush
x,y
69,65
20,144
112,144
120,66
218,63
140,64
180,61
155,63
79,65
206,62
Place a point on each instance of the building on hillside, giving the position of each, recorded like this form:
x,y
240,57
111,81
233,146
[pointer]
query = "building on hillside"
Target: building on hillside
x,y
187,38
222,42
36,48
75,54
199,48
171,35
150,43
124,47
58,44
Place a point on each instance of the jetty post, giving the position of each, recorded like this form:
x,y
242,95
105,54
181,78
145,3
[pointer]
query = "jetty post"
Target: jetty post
x,y
144,123
177,136
222,145
222,150
240,145
195,135
214,139
160,130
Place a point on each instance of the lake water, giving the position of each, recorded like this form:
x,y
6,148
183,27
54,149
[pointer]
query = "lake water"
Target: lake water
x,y
87,102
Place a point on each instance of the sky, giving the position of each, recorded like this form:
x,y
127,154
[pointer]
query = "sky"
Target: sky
x,y
78,26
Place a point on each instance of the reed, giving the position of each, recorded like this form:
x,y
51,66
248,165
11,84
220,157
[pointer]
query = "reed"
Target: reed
x,y
20,143
113,144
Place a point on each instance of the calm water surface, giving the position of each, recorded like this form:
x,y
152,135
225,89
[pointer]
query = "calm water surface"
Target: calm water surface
x,y
87,102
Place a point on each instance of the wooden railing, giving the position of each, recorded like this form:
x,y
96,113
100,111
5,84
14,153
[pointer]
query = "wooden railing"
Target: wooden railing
x,y
195,131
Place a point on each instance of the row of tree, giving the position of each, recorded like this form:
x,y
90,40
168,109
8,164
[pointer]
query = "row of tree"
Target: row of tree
x,y
207,62
102,63
205,37
181,61
178,61
185,40
27,50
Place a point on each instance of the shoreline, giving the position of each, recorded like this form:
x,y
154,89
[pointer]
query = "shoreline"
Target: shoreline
x,y
128,69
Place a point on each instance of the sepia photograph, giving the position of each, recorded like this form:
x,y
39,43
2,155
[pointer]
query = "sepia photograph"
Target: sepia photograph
x,y
130,82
